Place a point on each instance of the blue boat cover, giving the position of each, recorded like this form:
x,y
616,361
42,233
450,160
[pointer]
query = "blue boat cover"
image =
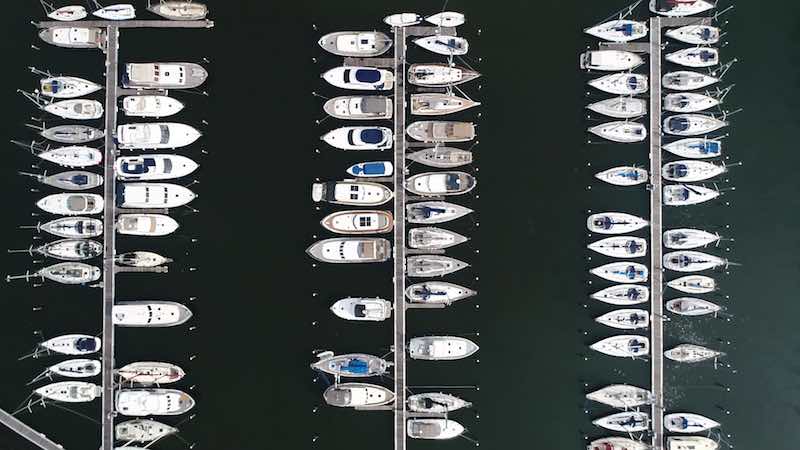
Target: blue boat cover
x,y
80,179
86,344
371,136
55,86
139,168
706,55
368,75
678,170
633,82
374,168
633,294
712,147
358,366
705,34
678,124
627,29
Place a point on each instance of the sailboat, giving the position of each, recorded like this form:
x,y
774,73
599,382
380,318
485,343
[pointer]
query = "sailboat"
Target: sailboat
x,y
692,261
693,284
623,294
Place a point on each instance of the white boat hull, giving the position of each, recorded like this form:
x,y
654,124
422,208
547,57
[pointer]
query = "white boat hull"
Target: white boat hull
x,y
694,284
623,295
76,109
151,106
687,194
622,272
622,83
623,176
73,344
625,319
68,13
698,148
689,102
146,224
685,80
614,223
116,12
609,60
692,124
695,57
695,34
446,19
688,238
402,19
73,156
72,204
621,131
444,45
625,422
690,306
692,261
619,30
153,167
689,171
620,247
362,309
688,423
623,346
620,108
359,138
360,78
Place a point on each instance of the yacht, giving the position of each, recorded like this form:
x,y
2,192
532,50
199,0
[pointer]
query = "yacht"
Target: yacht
x,y
441,157
351,250
623,346
441,131
622,396
439,75
151,106
436,104
620,247
619,30
620,107
614,223
163,75
359,221
623,295
625,422
695,34
690,353
70,249
352,365
429,238
72,134
179,10
622,83
680,8
694,284
688,170
695,148
360,78
609,60
625,319
689,306
70,391
437,429
446,19
142,430
76,368
434,212
67,87
692,261
72,344
359,107
356,43
433,265
689,238
146,224
434,292
689,102
354,395
687,194
444,45
441,183
435,403
152,402
141,259
71,204
73,180
617,443
623,176
621,131
402,19
150,373
691,443
363,309
73,227
441,348
694,57
64,273
70,13
154,167
360,138
76,109
686,80
688,423
153,195
150,313
72,156
355,193
692,124
74,37
116,12
155,135
371,169
622,272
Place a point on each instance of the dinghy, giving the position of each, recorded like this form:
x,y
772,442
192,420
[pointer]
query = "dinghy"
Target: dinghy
x,y
614,223
623,346
76,109
432,238
146,372
156,135
691,443
163,75
695,34
625,422
359,107
689,306
434,104
72,344
618,443
441,348
623,295
361,44
620,107
151,106
70,391
72,227
688,423
609,60
362,309
439,75
353,365
620,247
153,167
437,292
692,124
622,272
695,148
441,157
72,134
74,37
67,87
141,259
622,396
359,222
76,368
142,430
685,80
623,176
360,138
690,353
441,131
71,204
695,57
625,319
694,284
434,212
444,45
353,395
402,19
152,402
149,314
360,78
687,194
355,193
435,403
446,19
432,265
371,169
619,30
437,429
680,8
621,131
180,10
689,102
689,170
688,238
146,224
623,83
70,13
73,180
351,250
116,12
692,261
70,249
153,195
441,183
72,156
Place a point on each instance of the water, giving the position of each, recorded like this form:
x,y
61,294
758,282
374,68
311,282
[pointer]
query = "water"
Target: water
x,y
255,306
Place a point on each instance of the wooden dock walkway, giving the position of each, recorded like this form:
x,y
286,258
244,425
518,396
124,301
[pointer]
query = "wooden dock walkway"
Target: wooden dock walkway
x,y
33,436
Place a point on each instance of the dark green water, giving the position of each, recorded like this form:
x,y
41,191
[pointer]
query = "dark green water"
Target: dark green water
x,y
255,310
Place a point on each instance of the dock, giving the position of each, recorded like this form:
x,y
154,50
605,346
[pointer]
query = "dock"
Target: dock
x,y
33,436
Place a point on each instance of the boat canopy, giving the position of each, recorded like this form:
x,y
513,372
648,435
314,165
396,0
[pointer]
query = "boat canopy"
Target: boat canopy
x,y
138,167
86,344
371,136
356,366
367,75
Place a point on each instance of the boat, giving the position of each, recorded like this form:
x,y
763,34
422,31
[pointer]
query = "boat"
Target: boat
x,y
435,403
623,295
356,43
72,156
692,124
351,250
116,12
620,247
75,109
689,306
363,309
441,348
621,131
72,204
153,195
688,238
371,169
441,183
353,395
72,227
438,429
622,83
686,80
441,131
359,222
70,391
439,75
70,249
695,148
76,368
352,365
146,224
622,396
180,10
625,319
155,135
688,423
360,78
441,157
694,57
446,19
435,104
141,259
695,34
163,75
694,284
152,402
151,106
72,134
691,443
625,422
434,212
360,138
617,443
692,261
149,313
609,60
69,13
680,8
142,430
72,344
402,19
437,292
146,372
689,102
67,87
359,107
444,45
687,194
153,167
689,170
620,107
623,176
430,238
432,265
614,223
73,180
622,272
355,193
74,37
619,30
690,353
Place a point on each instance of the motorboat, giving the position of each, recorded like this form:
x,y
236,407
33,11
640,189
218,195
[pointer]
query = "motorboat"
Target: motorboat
x,y
694,57
151,106
435,403
75,109
74,37
69,13
437,429
623,176
446,19
360,138
67,87
695,148
70,391
614,223
694,284
623,346
72,134
695,34
441,157
352,395
152,402
690,353
688,423
689,102
359,107
116,12
363,309
623,295
359,222
71,204
142,430
441,131
163,75
622,396
76,368
437,292
439,75
141,259
692,261
689,238
692,124
73,180
686,80
625,422
622,83
154,167
433,265
73,227
435,104
617,443
621,131
680,8
431,238
441,348
689,170
402,19
360,78
625,319
690,306
147,372
620,107
609,60
441,183
70,249
434,212
688,194
156,135
620,247
352,365
622,272
179,10
153,195
371,169
146,224
149,313
355,193
351,250
444,45
691,443
356,43
619,30
72,156
72,344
